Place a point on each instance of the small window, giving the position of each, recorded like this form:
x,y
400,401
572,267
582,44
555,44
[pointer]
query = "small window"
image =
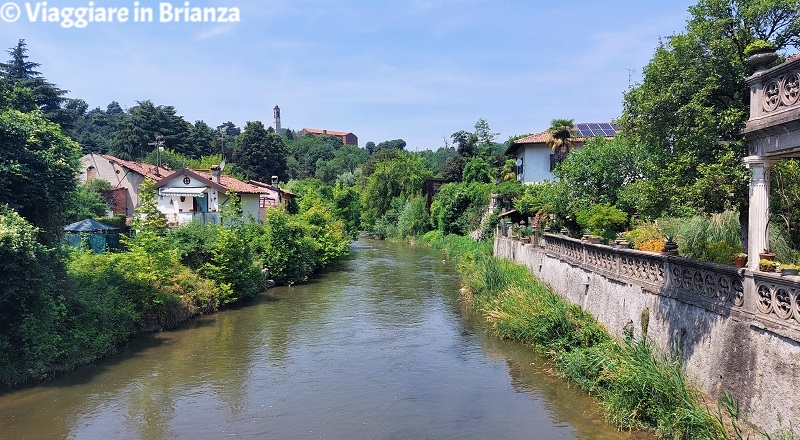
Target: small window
x,y
91,173
552,162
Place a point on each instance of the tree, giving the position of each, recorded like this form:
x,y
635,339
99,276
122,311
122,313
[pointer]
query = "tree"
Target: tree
x,y
309,149
453,170
399,176
560,138
692,104
478,170
37,170
20,72
396,144
201,139
145,120
465,142
261,154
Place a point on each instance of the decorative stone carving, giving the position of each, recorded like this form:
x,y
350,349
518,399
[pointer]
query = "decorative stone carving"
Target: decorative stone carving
x,y
781,91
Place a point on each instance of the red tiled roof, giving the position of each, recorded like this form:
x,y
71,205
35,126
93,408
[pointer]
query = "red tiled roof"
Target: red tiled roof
x,y
145,169
542,138
231,183
329,132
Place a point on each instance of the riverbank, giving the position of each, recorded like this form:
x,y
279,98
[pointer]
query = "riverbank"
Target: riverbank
x,y
68,308
638,387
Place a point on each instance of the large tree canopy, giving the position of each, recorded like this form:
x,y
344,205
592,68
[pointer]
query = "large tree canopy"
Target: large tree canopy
x,y
261,154
688,111
37,170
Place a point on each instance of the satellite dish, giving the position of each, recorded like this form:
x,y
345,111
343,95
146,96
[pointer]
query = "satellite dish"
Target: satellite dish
x,y
222,165
519,162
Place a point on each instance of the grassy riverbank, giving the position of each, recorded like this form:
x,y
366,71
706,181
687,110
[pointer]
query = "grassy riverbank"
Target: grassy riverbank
x,y
639,387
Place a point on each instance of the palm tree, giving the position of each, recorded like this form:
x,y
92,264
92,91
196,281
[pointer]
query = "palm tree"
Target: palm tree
x,y
560,141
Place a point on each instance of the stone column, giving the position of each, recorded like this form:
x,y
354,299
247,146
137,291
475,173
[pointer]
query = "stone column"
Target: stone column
x,y
757,233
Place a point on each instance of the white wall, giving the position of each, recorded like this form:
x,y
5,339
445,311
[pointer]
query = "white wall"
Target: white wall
x,y
536,162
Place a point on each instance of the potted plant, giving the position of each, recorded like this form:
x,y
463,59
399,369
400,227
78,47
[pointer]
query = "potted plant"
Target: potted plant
x,y
760,53
670,247
767,255
739,260
595,239
766,265
789,269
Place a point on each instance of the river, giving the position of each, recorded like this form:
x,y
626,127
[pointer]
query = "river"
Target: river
x,y
380,348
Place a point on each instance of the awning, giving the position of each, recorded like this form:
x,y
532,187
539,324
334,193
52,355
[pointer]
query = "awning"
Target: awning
x,y
184,191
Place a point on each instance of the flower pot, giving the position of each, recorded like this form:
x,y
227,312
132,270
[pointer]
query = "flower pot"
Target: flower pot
x,y
525,240
595,240
739,262
785,272
767,255
763,57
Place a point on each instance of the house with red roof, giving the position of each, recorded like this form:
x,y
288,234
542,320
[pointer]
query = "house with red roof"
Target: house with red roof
x,y
184,195
347,138
536,161
188,195
125,177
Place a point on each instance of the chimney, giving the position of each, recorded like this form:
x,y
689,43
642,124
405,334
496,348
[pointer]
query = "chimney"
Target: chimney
x,y
274,180
216,172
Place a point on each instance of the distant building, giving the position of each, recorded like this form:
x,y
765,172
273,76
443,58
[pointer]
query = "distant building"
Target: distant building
x,y
347,138
276,115
535,159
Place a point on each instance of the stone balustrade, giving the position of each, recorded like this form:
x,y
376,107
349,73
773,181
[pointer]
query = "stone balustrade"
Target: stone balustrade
x,y
765,300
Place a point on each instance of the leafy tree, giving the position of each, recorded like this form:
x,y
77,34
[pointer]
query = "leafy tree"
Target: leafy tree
x,y
396,144
370,147
435,160
399,176
478,170
453,170
261,154
465,142
144,121
309,149
202,139
346,159
459,207
37,170
88,201
692,102
601,170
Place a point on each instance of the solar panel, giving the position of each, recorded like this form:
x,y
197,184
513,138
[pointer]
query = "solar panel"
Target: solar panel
x,y
595,129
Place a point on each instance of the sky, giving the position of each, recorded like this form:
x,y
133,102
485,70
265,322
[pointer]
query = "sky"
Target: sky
x,y
418,70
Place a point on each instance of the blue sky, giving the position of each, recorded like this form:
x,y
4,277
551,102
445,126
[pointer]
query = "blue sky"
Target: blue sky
x,y
412,69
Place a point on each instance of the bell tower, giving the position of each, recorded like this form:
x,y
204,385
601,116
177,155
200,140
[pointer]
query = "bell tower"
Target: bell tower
x,y
276,114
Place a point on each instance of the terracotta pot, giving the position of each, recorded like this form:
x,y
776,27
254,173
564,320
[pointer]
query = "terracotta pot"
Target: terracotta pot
x,y
739,262
766,256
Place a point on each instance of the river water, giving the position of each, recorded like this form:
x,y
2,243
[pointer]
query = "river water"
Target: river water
x,y
380,349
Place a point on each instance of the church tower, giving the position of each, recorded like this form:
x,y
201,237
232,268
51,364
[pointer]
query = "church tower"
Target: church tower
x,y
276,113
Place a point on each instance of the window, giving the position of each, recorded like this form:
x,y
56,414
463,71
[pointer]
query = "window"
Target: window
x,y
91,173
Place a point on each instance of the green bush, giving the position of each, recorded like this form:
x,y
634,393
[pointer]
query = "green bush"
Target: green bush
x,y
413,220
603,220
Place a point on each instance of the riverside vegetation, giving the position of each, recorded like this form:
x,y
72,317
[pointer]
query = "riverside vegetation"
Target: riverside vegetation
x,y
639,387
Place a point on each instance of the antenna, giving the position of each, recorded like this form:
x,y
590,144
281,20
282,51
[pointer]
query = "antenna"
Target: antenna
x,y
630,71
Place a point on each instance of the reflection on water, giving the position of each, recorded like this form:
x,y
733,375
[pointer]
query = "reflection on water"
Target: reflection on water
x,y
380,349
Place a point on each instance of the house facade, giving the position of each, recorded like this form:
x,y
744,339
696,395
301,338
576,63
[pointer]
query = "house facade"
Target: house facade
x,y
197,195
346,137
124,176
536,161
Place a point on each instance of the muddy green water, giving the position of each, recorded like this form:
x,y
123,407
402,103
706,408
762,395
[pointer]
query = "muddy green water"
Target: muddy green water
x,y
381,349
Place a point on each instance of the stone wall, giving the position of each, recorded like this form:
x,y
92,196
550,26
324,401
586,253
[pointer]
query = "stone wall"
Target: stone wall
x,y
736,330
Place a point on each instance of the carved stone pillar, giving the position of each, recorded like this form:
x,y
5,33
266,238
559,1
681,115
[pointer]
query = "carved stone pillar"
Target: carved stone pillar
x,y
757,231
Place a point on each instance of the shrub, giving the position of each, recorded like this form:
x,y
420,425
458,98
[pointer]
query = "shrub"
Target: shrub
x,y
603,220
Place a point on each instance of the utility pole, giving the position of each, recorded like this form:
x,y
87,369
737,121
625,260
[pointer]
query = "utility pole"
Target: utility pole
x,y
158,144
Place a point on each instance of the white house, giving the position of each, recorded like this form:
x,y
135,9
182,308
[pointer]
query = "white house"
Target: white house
x,y
187,195
535,159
